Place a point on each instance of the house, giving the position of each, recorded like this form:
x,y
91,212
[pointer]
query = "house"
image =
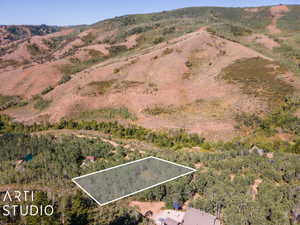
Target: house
x,y
19,165
197,217
88,160
194,217
19,162
91,158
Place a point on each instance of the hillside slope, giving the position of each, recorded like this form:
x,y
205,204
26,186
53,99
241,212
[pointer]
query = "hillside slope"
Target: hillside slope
x,y
164,70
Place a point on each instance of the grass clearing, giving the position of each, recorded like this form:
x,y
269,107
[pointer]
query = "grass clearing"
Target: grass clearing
x,y
108,113
258,77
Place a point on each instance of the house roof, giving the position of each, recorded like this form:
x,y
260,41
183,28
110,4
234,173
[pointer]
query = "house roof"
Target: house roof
x,y
169,221
197,217
91,158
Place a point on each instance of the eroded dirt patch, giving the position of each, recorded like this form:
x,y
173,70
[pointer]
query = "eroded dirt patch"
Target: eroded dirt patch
x,y
144,207
264,40
276,12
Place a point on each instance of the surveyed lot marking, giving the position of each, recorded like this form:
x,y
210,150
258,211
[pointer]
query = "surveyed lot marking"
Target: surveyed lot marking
x,y
112,184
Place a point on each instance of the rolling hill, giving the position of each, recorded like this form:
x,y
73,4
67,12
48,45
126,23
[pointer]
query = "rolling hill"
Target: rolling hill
x,y
169,70
211,88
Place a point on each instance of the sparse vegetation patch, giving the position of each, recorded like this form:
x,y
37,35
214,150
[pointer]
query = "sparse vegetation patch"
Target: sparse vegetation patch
x,y
8,101
78,65
258,77
7,63
40,103
108,113
47,90
102,86
167,51
117,49
193,63
65,78
159,110
34,49
89,38
126,84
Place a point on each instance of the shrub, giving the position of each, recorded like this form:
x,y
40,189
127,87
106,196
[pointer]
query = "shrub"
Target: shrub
x,y
55,42
158,40
34,49
89,38
6,63
239,31
125,84
116,70
169,30
168,51
117,49
8,101
40,103
47,90
102,86
158,110
22,103
189,64
65,78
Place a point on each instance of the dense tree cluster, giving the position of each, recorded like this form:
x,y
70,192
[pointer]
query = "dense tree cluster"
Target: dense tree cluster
x,y
222,185
174,139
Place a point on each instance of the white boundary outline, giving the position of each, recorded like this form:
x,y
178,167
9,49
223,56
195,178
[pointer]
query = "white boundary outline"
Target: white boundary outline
x,y
155,185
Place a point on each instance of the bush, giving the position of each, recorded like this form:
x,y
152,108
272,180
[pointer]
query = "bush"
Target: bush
x,y
117,49
158,110
47,90
8,101
239,31
169,30
34,49
102,86
168,51
89,38
40,103
22,103
189,64
65,78
158,40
